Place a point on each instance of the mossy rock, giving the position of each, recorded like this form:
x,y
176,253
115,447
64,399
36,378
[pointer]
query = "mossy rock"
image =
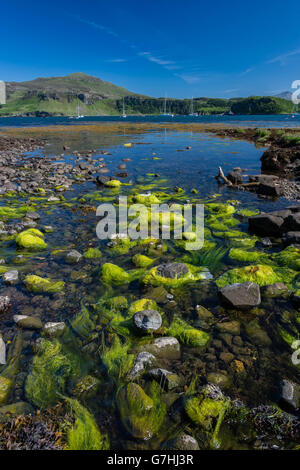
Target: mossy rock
x,y
188,335
220,209
113,184
204,412
86,387
31,239
39,284
289,257
260,274
257,335
92,253
141,414
9,212
142,261
118,303
113,274
142,304
146,199
243,242
193,274
5,389
237,254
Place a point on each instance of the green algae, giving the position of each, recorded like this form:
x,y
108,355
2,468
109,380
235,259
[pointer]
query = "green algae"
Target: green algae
x,y
39,284
142,415
6,386
260,274
10,212
82,323
113,274
188,335
238,254
153,278
142,304
92,253
248,212
289,257
220,209
31,239
52,368
141,261
85,434
117,360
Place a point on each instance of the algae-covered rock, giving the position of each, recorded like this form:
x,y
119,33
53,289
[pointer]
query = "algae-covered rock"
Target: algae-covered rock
x,y
15,409
142,261
24,321
219,379
54,329
188,335
260,274
142,304
165,378
118,303
31,239
220,209
113,274
166,347
92,253
5,389
183,442
174,275
141,415
113,183
257,335
238,254
39,284
146,199
203,411
86,387
141,363
289,257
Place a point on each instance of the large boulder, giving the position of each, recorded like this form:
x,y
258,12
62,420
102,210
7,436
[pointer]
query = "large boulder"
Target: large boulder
x,y
292,223
241,295
266,224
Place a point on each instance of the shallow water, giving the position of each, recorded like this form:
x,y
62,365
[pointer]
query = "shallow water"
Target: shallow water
x,y
74,228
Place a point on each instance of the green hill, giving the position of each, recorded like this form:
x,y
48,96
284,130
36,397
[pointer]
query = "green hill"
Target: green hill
x,y
62,96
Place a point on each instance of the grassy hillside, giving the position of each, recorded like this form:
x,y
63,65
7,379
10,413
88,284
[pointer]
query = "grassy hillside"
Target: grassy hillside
x,y
62,95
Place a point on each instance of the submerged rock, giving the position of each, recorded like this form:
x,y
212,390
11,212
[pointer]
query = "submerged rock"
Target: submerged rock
x,y
38,284
166,347
172,270
2,351
147,320
73,257
183,442
279,289
165,378
54,329
25,321
11,277
241,295
143,361
290,393
4,303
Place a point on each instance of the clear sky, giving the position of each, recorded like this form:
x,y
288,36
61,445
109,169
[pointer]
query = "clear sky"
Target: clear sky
x,y
181,48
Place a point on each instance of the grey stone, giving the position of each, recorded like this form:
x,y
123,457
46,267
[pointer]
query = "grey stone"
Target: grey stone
x,y
147,320
143,361
166,379
184,442
2,351
54,329
172,270
290,393
4,303
73,257
11,277
24,321
241,295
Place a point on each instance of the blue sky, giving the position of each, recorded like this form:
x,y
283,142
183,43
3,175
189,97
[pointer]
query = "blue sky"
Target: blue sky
x,y
181,48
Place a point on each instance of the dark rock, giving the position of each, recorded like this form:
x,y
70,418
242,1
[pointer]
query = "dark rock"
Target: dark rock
x,y
183,442
290,238
147,320
167,380
275,290
102,179
270,189
243,295
172,270
235,176
73,257
4,303
292,223
266,224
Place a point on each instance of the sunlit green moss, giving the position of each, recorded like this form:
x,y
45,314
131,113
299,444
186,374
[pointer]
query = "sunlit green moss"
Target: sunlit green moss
x,y
238,254
39,284
260,274
142,304
113,274
289,257
5,389
92,253
31,239
194,274
219,209
117,360
141,261
188,335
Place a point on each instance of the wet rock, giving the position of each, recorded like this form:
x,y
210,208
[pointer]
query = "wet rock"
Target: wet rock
x,y
226,357
266,242
172,270
73,257
24,321
102,179
241,295
266,224
11,277
290,393
220,379
167,380
159,294
183,442
166,347
147,320
290,238
292,223
54,329
279,289
2,351
4,303
270,189
231,327
257,335
33,215
142,362
235,176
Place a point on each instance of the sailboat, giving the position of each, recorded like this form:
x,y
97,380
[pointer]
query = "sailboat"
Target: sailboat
x,y
124,115
79,116
165,109
192,108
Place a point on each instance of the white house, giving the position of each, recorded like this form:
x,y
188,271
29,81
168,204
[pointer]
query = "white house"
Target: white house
x,y
2,93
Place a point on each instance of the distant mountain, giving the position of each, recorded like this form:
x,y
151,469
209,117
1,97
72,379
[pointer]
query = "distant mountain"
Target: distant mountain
x,y
62,95
286,95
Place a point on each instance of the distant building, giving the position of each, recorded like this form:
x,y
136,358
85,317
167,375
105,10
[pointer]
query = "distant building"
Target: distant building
x,y
2,93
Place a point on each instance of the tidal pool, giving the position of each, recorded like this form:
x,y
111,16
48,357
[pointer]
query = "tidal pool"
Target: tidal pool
x,y
87,366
